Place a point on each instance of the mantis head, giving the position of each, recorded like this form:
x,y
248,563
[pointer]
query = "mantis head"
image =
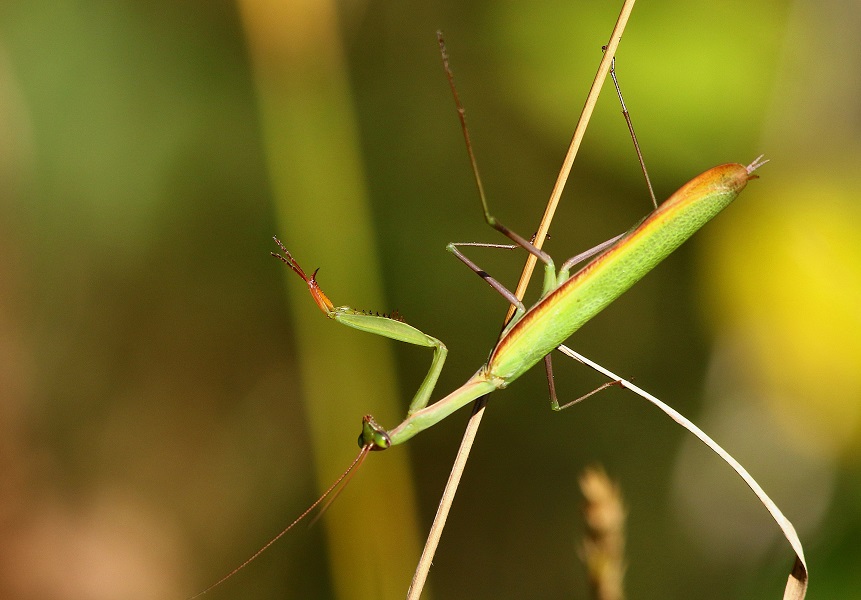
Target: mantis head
x,y
373,435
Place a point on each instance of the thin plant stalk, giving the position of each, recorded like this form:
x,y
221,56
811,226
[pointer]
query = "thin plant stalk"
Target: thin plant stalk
x,y
453,482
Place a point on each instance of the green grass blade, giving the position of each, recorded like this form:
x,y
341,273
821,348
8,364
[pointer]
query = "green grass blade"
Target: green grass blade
x,y
321,204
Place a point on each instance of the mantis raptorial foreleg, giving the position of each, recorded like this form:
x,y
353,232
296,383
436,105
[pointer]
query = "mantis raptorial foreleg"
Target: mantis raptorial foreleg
x,y
390,326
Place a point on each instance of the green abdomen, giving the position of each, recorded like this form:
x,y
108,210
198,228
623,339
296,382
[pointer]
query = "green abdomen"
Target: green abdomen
x,y
562,312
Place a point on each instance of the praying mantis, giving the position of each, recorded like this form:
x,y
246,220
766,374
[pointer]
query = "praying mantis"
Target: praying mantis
x,y
566,302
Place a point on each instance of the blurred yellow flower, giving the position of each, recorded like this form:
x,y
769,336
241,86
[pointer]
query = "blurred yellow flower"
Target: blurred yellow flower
x,y
785,280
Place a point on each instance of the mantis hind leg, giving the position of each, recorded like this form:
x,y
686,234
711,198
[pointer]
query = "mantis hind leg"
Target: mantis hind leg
x,y
554,401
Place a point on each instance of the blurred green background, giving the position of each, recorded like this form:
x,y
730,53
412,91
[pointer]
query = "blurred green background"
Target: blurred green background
x,y
170,397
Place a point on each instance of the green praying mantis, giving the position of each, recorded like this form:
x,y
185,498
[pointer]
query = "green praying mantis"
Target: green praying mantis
x,y
566,302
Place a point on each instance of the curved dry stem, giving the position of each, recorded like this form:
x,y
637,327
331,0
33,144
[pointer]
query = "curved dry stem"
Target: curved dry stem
x,y
796,585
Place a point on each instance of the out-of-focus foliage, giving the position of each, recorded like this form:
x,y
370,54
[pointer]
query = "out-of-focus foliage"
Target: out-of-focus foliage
x,y
786,284
309,131
152,431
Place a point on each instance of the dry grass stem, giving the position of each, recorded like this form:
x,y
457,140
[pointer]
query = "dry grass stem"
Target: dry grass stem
x,y
426,559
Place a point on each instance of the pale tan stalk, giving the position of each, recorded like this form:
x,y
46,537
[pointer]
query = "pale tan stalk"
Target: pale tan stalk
x,y
478,409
